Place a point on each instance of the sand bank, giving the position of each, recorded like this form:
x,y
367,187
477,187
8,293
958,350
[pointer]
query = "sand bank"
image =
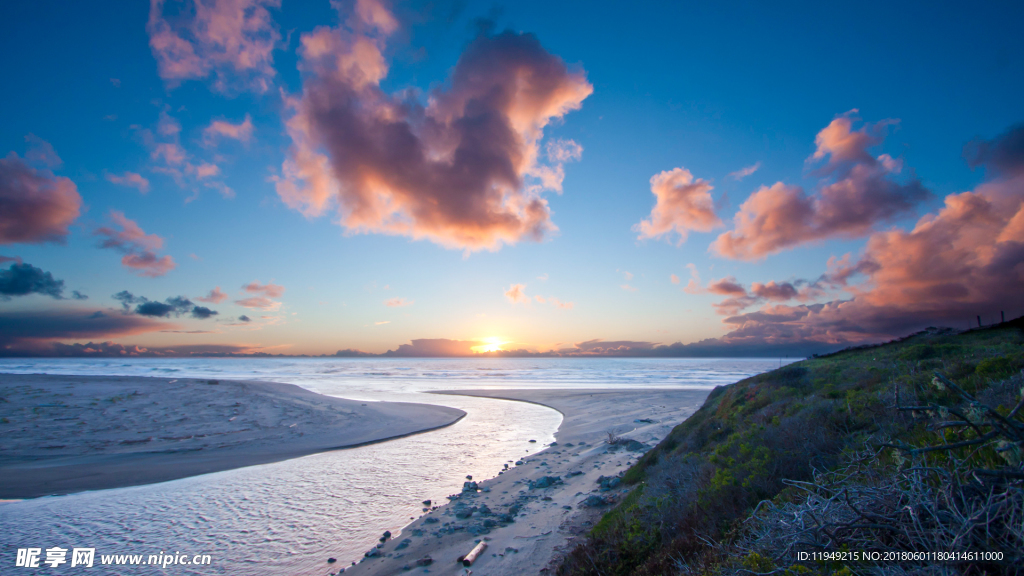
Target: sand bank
x,y
63,434
546,519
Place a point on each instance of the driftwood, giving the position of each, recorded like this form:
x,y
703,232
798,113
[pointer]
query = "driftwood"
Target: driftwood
x,y
475,553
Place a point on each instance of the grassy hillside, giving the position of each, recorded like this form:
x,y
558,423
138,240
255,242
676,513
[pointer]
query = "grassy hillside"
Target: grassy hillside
x,y
914,445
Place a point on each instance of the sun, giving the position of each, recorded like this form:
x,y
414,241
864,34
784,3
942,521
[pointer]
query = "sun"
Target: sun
x,y
492,344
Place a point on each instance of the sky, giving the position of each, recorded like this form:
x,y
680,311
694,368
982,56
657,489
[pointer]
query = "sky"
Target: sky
x,y
448,178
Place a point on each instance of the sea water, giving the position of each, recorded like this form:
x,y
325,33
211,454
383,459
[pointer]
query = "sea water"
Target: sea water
x,y
290,517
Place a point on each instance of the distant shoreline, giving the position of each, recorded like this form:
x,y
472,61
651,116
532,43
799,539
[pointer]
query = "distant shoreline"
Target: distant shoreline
x,y
66,434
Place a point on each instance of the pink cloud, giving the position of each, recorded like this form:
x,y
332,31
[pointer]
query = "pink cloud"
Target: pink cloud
x,y
259,302
964,260
139,248
673,278
35,205
397,303
223,129
861,193
131,179
231,41
214,297
744,172
682,205
559,304
462,171
269,289
726,286
516,294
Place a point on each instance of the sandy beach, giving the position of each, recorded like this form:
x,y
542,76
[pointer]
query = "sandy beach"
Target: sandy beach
x,y
63,434
531,513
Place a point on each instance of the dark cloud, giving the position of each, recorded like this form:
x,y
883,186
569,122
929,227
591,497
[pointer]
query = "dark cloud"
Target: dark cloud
x,y
35,205
32,329
203,312
114,350
25,279
1004,154
244,318
76,295
173,306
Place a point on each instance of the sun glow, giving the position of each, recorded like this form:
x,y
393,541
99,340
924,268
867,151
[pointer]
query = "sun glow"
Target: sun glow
x,y
493,344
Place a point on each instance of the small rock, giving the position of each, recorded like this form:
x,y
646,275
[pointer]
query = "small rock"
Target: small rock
x,y
469,476
332,560
425,561
431,520
533,441
426,502
594,501
386,536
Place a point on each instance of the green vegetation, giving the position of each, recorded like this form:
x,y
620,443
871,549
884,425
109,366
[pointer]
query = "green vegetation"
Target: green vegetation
x,y
911,446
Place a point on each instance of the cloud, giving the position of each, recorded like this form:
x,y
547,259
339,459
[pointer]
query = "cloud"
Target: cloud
x,y
543,277
24,279
130,179
516,294
774,291
259,302
139,248
682,205
41,152
673,278
214,297
231,41
964,260
110,349
858,193
628,288
432,347
559,304
397,303
744,172
463,171
32,329
244,318
219,129
1003,155
269,289
172,160
35,205
382,322
173,306
726,286
554,302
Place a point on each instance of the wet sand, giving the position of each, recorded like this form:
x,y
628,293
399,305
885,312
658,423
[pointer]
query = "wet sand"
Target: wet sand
x,y
63,434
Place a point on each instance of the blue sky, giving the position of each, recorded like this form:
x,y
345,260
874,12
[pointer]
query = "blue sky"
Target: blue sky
x,y
711,89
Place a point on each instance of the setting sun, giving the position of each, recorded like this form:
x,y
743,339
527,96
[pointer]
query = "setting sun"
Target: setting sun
x,y
493,344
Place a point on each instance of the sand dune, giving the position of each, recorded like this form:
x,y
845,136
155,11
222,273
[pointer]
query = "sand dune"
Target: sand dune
x,y
66,434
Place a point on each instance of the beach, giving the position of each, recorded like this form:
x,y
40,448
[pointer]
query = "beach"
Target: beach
x,y
64,434
532,512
